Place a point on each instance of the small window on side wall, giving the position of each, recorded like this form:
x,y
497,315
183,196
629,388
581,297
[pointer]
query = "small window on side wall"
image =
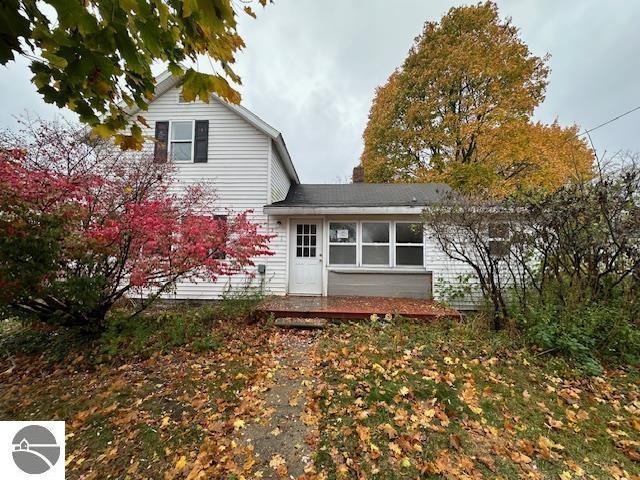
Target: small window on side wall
x,y
499,238
409,244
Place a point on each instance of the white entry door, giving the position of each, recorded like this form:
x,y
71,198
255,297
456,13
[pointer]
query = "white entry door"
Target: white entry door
x,y
305,276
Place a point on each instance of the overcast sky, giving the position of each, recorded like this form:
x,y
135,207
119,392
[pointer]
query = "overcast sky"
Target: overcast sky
x,y
311,67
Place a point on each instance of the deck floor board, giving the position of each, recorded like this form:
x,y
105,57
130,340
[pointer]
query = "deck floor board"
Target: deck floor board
x,y
353,307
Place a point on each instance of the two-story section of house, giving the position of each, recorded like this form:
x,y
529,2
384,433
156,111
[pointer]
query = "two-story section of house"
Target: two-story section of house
x,y
354,239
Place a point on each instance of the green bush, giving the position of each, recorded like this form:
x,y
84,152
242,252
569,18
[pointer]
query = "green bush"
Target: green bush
x,y
591,334
33,338
157,332
160,330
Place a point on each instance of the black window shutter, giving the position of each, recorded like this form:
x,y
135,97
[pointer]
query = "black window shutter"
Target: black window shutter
x,y
162,140
201,141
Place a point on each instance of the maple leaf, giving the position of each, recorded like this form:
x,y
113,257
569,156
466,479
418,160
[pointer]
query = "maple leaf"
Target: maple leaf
x,y
389,430
395,448
455,442
181,463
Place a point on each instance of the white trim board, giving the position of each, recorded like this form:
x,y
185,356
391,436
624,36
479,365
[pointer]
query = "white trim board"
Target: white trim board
x,y
269,210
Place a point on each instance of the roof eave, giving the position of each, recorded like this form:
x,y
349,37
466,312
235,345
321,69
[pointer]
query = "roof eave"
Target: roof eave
x,y
338,210
288,163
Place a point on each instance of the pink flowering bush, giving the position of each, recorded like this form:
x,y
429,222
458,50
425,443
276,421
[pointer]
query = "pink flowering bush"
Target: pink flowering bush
x,y
83,224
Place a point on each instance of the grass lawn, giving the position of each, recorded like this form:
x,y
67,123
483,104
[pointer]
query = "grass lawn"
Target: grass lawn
x,y
406,400
139,403
165,398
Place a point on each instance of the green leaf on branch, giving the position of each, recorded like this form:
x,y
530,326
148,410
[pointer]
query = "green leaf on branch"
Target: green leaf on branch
x,y
98,55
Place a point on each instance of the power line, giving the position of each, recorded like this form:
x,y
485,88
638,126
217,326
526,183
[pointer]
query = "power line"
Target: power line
x,y
586,132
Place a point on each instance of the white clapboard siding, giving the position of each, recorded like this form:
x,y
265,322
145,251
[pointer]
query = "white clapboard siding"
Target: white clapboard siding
x,y
238,169
280,181
446,275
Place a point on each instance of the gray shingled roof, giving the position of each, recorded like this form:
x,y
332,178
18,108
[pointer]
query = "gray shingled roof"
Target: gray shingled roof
x,y
364,195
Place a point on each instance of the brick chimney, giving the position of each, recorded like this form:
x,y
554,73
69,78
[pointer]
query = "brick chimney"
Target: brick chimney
x,y
358,174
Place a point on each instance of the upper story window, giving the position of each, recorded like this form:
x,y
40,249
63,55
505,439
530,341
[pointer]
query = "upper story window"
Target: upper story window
x,y
181,141
181,144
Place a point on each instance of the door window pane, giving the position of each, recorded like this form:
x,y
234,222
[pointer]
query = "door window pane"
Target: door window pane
x,y
409,255
375,255
342,232
306,240
408,233
375,232
342,254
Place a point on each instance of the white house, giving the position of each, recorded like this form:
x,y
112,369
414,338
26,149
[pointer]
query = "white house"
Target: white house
x,y
353,239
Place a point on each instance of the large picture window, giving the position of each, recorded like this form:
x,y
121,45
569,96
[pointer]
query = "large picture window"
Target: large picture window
x,y
409,244
375,243
181,146
343,243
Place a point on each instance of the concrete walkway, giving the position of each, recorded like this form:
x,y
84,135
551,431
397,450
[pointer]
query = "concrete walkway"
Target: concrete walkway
x,y
280,439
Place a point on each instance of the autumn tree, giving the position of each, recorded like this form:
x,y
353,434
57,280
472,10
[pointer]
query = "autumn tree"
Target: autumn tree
x,y
83,225
95,56
459,111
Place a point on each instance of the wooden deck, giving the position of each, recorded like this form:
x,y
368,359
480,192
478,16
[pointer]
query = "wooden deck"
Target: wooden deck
x,y
352,307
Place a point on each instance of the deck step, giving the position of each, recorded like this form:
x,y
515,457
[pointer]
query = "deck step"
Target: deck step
x,y
298,322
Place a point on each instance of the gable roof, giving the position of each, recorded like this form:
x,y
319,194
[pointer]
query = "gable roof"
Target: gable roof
x,y
166,81
413,195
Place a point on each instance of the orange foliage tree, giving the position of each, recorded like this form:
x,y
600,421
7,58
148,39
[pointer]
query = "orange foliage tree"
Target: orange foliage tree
x,y
459,111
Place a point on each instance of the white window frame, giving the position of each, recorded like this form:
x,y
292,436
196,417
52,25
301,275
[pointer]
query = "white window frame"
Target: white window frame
x,y
505,239
368,244
344,244
171,141
397,244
